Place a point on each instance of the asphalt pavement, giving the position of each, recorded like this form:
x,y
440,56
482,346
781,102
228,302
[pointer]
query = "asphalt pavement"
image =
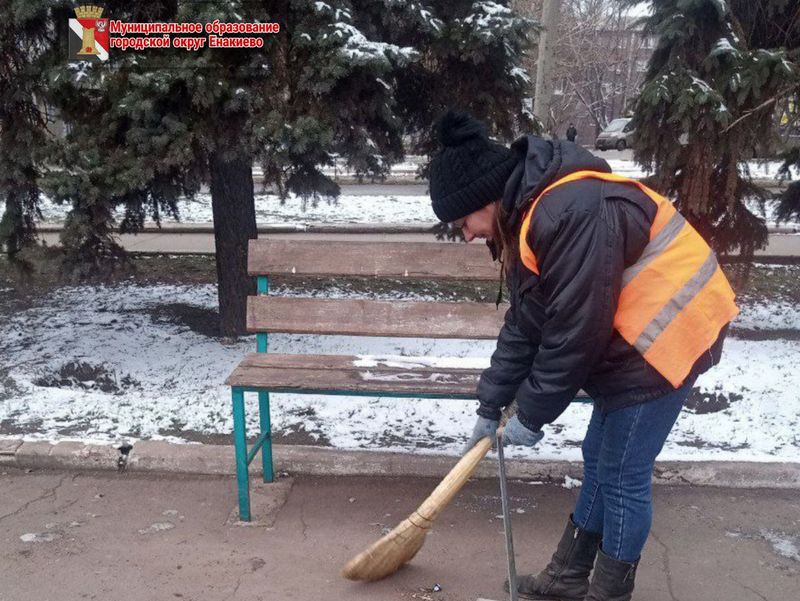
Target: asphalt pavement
x,y
92,535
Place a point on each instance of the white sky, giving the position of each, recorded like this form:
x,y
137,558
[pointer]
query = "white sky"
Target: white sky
x,y
641,10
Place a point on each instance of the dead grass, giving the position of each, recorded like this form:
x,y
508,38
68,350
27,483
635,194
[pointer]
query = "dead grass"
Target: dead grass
x,y
39,272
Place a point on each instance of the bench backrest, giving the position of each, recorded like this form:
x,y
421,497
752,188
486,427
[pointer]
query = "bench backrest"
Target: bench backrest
x,y
389,260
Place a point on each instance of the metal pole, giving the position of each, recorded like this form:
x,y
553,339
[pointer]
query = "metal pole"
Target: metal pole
x,y
512,569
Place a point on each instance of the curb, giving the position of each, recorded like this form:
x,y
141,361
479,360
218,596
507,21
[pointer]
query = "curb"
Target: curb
x,y
150,456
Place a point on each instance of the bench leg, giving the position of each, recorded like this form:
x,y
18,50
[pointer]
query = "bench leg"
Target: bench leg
x,y
240,444
266,428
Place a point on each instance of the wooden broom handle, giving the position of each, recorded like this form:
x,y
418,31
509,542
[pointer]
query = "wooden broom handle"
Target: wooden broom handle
x,y
454,481
458,476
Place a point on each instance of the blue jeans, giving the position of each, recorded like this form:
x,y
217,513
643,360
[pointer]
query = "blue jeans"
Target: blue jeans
x,y
619,453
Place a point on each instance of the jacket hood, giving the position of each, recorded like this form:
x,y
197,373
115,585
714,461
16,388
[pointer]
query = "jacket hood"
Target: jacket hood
x,y
543,162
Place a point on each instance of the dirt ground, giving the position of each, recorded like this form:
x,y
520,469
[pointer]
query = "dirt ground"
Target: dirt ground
x,y
42,272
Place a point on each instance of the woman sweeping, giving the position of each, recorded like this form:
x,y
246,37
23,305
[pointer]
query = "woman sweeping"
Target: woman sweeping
x,y
611,291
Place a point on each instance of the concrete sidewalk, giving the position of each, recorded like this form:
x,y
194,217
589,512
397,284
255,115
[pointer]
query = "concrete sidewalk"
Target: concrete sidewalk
x,y
106,536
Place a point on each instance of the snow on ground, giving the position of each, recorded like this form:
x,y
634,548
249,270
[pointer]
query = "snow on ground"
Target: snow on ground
x,y
758,169
349,208
162,379
782,543
772,315
385,208
768,211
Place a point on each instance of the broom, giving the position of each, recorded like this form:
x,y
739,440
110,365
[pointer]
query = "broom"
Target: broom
x,y
387,555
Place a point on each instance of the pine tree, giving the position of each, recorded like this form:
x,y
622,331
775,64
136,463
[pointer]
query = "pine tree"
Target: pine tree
x,y
708,103
470,57
341,79
25,41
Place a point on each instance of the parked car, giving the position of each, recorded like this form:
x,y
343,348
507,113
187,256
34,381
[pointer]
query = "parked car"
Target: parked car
x,y
617,134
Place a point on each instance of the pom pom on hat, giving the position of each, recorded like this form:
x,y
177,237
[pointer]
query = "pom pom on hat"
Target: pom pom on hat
x,y
456,128
469,171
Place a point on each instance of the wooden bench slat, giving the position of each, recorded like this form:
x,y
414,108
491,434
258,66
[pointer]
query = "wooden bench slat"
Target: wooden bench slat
x,y
355,317
415,261
325,373
338,362
346,373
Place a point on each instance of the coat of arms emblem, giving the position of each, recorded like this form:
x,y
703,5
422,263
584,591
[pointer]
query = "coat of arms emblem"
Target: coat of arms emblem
x,y
88,35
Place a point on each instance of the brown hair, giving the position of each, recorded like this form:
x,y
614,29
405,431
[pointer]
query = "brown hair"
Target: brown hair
x,y
506,240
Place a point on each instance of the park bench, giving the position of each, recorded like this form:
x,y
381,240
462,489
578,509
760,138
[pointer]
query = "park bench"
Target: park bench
x,y
263,372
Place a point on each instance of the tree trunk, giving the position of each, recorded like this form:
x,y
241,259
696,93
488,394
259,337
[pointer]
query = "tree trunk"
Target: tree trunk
x,y
233,206
17,225
551,11
12,228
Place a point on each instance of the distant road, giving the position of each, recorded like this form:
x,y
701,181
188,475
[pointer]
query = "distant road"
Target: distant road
x,y
200,240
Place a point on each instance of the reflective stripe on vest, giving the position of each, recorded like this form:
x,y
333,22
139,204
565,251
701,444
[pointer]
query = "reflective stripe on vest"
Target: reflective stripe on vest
x,y
674,299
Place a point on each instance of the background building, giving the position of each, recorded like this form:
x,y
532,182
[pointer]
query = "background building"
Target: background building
x,y
601,58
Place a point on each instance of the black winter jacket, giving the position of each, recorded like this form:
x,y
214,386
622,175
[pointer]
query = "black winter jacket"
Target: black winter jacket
x,y
558,335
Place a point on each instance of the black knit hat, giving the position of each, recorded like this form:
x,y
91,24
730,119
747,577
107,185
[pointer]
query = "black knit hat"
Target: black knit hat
x,y
469,171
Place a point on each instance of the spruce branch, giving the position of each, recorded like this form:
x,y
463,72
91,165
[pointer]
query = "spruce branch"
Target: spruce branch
x,y
766,104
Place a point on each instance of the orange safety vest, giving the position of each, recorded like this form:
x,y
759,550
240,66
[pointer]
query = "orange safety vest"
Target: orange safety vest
x,y
674,299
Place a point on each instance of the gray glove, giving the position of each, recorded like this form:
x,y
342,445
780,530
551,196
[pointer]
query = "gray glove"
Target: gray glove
x,y
517,434
483,427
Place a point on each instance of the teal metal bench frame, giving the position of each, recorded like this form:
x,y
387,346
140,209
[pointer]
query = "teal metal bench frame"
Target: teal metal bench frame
x,y
263,442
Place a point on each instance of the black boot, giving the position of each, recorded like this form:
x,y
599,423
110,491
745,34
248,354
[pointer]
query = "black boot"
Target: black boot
x,y
612,580
566,577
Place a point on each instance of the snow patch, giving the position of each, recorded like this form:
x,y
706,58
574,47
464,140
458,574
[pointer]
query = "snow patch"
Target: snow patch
x,y
748,407
40,537
521,74
763,315
782,544
348,208
417,362
157,527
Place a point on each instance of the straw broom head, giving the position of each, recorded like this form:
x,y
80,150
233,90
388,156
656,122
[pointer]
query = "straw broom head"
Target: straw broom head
x,y
385,556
